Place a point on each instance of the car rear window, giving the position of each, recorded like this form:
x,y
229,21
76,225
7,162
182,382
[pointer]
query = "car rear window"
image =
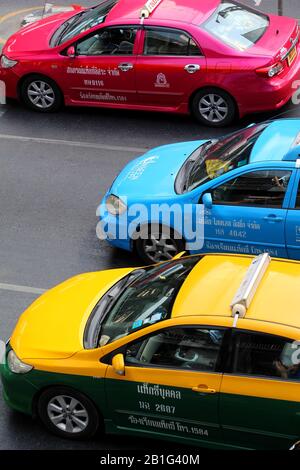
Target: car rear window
x,y
236,25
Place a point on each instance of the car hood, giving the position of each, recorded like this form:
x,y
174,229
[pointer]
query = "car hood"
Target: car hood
x,y
35,37
155,172
53,326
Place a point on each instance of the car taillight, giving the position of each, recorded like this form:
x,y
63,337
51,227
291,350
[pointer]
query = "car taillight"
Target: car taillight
x,y
271,71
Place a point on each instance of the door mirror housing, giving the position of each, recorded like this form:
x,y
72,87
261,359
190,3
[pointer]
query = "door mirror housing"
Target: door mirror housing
x,y
118,364
207,200
71,52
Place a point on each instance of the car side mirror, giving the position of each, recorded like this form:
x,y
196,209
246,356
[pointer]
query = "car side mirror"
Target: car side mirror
x,y
118,364
71,52
207,200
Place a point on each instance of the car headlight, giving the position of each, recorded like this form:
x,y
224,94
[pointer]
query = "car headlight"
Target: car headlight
x,y
115,205
16,365
7,63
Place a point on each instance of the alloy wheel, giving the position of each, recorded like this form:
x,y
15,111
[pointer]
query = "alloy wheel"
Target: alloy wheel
x,y
68,414
41,94
213,108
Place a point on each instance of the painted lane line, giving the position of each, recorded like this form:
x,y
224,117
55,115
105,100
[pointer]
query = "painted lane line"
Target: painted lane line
x,y
23,289
12,14
71,143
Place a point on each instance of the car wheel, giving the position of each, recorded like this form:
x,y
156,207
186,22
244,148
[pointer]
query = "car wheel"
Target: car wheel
x,y
214,107
68,413
158,244
41,94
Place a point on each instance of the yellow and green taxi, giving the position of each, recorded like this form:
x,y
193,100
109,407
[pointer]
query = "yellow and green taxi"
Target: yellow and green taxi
x,y
201,350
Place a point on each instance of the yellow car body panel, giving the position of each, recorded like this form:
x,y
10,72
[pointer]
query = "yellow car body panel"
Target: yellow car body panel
x,y
53,326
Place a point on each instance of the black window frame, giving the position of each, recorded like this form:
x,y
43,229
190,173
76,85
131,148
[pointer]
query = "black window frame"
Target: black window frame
x,y
221,363
211,189
97,31
228,369
165,28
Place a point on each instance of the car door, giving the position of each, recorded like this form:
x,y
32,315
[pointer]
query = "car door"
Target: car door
x,y
292,229
103,69
259,400
170,67
248,213
171,384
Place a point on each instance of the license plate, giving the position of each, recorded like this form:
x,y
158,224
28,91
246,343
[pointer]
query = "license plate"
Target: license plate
x,y
292,56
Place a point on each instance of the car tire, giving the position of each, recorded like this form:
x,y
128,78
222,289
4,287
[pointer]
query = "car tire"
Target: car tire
x,y
213,107
41,94
165,245
59,419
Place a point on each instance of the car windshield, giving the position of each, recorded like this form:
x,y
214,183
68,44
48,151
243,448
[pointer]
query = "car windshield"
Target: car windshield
x,y
236,25
83,21
146,299
216,157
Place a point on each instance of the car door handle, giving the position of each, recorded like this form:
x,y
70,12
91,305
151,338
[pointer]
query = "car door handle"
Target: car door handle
x,y
204,389
192,68
273,218
125,67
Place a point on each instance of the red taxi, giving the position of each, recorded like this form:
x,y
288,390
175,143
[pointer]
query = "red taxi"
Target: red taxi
x,y
217,59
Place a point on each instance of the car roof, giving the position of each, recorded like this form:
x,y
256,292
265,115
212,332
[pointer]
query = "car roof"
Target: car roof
x,y
213,283
277,142
186,11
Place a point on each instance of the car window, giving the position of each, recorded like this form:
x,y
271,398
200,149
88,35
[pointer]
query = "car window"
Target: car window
x,y
236,25
258,188
181,348
266,355
168,42
110,41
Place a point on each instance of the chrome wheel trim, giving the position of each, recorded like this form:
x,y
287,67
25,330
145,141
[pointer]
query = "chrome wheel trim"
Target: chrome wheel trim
x,y
213,108
41,94
160,247
67,414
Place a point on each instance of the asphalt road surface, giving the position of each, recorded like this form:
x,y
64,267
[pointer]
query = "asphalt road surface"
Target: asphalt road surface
x,y
49,191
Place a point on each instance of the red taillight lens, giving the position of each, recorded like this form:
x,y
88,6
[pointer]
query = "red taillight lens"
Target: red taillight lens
x,y
272,71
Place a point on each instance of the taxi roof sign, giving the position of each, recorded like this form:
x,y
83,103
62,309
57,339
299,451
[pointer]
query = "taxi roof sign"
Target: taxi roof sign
x,y
149,7
249,285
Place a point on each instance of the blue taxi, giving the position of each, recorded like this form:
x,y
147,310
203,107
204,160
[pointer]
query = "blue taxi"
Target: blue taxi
x,y
238,193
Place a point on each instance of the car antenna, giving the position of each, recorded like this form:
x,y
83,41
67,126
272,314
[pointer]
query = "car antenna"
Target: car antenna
x,y
245,293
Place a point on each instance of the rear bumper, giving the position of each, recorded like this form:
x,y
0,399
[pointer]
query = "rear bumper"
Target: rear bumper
x,y
270,94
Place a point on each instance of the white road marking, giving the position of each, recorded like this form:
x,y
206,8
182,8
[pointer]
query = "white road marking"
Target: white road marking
x,y
71,143
24,289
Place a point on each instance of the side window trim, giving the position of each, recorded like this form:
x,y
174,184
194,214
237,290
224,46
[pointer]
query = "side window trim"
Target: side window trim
x,y
295,189
105,28
222,360
165,28
228,370
288,192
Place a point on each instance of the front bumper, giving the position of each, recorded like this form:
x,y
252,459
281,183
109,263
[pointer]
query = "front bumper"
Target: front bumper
x,y
18,392
113,229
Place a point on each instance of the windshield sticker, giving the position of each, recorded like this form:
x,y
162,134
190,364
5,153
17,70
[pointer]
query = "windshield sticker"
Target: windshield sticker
x,y
161,81
137,324
216,168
